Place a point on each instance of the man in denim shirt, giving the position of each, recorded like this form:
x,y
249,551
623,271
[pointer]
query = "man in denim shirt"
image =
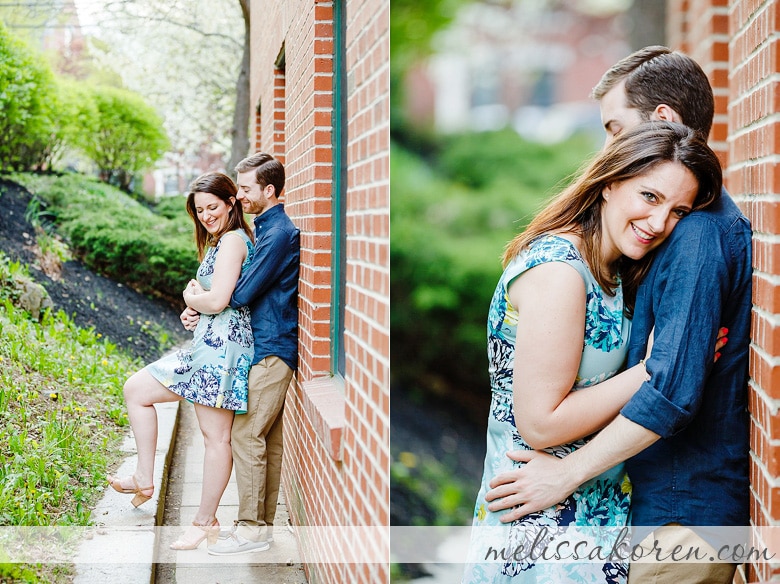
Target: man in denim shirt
x,y
687,426
270,288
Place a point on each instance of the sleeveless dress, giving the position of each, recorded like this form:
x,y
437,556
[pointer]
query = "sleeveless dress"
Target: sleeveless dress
x,y
214,369
602,501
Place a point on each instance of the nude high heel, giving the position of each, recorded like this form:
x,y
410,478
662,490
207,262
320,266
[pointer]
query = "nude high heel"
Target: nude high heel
x,y
192,538
140,498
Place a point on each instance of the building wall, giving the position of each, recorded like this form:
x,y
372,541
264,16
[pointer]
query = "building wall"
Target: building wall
x,y
737,42
337,442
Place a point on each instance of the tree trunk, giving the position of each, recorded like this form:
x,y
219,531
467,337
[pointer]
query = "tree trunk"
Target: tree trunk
x,y
240,130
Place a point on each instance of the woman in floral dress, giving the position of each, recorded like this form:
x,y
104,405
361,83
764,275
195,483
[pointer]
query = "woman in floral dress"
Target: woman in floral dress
x,y
212,371
558,330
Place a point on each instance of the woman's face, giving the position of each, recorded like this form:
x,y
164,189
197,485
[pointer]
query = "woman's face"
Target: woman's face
x,y
639,214
212,212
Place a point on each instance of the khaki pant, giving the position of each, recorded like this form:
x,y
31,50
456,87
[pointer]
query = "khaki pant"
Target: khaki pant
x,y
257,446
650,571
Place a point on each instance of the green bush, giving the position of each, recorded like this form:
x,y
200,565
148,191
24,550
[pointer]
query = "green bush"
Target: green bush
x,y
41,115
78,115
174,208
118,236
477,160
28,101
128,136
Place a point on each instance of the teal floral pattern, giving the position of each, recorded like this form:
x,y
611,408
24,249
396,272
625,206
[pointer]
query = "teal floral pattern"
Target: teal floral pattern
x,y
602,501
213,370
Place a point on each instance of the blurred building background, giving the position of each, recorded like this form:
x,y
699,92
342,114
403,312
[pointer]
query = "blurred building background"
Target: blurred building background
x,y
525,64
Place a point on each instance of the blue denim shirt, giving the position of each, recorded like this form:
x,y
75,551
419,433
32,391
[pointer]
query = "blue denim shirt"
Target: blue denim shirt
x,y
697,474
270,287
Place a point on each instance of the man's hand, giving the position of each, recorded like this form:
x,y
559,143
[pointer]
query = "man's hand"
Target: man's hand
x,y
189,318
541,483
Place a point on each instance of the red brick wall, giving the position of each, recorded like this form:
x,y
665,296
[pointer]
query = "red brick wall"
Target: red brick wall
x,y
736,42
700,28
336,467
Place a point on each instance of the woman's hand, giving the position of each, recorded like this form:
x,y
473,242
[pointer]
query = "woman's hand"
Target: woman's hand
x,y
189,318
721,341
194,287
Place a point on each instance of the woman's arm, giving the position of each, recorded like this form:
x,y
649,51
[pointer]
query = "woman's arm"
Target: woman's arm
x,y
227,268
550,300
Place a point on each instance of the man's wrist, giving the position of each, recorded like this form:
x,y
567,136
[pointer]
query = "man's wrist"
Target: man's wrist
x,y
572,474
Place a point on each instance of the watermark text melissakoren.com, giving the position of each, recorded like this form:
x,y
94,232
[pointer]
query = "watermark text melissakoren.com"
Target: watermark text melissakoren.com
x,y
546,548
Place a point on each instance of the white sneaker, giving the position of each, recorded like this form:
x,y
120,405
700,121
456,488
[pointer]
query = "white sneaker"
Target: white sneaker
x,y
234,544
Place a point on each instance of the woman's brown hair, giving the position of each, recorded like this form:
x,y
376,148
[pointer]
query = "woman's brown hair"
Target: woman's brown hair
x,y
633,153
221,186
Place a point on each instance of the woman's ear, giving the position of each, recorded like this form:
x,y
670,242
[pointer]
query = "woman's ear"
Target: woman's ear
x,y
606,191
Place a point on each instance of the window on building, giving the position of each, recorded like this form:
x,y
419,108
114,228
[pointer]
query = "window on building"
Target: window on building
x,y
339,193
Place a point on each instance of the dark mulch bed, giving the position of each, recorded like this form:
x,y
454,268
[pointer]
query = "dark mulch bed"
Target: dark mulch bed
x,y
117,312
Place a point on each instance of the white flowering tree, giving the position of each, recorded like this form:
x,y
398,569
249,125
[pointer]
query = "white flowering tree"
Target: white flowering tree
x,y
185,57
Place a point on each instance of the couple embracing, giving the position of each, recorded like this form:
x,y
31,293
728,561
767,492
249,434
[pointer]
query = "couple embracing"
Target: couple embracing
x,y
614,399
243,309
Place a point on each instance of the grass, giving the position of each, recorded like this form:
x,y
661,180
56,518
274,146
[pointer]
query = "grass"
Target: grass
x,y
62,416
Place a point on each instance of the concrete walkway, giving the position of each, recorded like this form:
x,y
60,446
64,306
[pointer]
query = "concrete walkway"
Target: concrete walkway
x,y
126,547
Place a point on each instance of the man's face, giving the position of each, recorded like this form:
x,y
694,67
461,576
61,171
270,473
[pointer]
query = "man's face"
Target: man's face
x,y
252,196
616,116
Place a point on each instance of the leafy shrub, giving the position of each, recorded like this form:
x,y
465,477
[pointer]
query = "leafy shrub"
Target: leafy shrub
x,y
174,208
477,160
77,119
43,114
117,236
28,100
128,136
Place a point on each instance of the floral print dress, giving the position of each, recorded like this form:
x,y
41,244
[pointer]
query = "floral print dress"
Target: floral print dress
x,y
602,501
214,369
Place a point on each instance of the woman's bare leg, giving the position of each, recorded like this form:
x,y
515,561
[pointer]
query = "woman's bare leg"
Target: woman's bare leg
x,y
215,424
142,391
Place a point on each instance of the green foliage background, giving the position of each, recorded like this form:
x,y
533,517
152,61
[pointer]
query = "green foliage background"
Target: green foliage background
x,y
455,205
62,418
126,135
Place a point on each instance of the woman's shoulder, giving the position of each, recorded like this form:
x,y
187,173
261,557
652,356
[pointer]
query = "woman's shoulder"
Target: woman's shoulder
x,y
545,249
550,247
241,233
235,234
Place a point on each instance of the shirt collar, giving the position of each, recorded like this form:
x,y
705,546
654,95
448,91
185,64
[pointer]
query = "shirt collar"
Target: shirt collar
x,y
269,215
